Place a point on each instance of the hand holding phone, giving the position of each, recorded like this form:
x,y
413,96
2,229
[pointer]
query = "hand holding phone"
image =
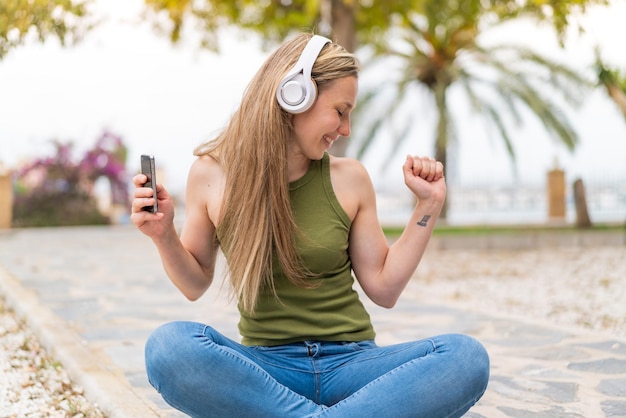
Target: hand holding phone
x,y
148,169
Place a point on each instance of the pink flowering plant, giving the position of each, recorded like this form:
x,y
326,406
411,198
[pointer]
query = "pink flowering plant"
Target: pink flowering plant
x,y
57,190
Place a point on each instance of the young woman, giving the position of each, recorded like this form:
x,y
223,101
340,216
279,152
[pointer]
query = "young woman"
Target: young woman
x,y
296,227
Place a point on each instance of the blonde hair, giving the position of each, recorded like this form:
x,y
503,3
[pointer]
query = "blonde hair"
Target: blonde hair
x,y
257,226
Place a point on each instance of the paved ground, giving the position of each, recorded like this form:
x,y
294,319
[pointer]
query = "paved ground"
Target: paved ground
x,y
93,294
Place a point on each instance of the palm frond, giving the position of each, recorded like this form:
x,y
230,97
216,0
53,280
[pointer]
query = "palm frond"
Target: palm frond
x,y
502,83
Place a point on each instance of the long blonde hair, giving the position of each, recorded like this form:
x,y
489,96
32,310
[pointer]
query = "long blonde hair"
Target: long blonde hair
x,y
256,222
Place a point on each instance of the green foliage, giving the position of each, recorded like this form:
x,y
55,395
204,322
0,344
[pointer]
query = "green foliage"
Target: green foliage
x,y
56,208
558,12
276,19
19,19
481,230
612,76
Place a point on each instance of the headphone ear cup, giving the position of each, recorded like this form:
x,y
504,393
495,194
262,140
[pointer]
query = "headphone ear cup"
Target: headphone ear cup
x,y
297,91
296,94
292,90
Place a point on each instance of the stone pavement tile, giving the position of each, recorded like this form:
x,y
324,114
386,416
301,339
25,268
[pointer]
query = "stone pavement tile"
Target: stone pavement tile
x,y
537,371
558,378
109,288
102,380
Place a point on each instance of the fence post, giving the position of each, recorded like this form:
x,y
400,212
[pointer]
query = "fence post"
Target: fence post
x,y
556,194
6,199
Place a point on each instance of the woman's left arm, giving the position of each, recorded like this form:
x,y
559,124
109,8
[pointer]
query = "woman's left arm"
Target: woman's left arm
x,y
382,270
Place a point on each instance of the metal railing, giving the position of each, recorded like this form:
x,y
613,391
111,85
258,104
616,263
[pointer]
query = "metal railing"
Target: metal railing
x,y
523,204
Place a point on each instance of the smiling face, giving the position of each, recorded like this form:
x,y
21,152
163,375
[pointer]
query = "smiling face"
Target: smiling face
x,y
315,130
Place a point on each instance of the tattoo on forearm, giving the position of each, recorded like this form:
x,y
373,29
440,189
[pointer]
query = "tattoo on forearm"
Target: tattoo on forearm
x,y
424,220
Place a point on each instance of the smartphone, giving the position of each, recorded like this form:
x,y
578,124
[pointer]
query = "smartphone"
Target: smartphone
x,y
148,169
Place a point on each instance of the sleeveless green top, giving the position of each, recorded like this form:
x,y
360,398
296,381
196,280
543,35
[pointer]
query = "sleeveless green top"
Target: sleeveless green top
x,y
331,311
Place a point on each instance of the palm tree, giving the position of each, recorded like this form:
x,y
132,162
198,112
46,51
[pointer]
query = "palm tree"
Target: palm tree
x,y
441,49
615,84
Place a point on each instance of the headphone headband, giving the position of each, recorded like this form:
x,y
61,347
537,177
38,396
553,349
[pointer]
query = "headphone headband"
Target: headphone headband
x,y
297,91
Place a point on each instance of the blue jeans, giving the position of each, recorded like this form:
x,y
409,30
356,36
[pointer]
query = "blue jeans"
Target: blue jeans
x,y
202,373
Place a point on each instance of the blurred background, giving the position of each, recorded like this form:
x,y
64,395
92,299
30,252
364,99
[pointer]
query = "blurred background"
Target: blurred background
x,y
523,101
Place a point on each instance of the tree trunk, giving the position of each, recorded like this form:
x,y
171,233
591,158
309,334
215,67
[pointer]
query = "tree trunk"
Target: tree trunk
x,y
343,21
441,140
343,24
618,96
580,201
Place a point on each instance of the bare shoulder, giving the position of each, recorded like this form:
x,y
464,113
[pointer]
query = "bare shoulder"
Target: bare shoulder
x,y
351,184
206,168
348,169
205,187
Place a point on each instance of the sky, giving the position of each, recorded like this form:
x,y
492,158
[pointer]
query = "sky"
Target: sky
x,y
165,100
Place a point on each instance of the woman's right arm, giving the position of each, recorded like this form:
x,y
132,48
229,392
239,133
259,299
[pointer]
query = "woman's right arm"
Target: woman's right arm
x,y
189,260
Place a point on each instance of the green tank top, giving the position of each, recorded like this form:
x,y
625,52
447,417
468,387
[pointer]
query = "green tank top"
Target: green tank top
x,y
331,311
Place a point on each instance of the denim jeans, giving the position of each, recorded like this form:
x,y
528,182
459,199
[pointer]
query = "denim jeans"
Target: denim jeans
x,y
204,374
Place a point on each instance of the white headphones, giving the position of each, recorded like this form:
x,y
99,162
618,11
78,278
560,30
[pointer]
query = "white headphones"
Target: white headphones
x,y
297,91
